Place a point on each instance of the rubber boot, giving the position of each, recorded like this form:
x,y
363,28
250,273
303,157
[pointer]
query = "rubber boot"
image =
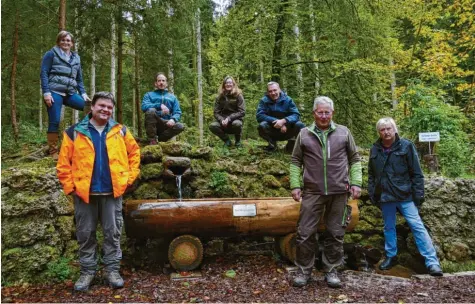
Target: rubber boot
x,y
53,145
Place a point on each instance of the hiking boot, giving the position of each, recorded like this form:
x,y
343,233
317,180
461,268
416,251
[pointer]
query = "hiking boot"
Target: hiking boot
x,y
227,143
332,279
388,263
84,281
300,280
114,280
53,145
272,146
435,270
238,144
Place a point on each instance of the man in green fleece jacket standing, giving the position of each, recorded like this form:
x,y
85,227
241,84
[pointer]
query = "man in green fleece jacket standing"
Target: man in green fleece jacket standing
x,y
331,170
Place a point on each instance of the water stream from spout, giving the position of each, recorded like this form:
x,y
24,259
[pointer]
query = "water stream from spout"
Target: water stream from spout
x,y
178,184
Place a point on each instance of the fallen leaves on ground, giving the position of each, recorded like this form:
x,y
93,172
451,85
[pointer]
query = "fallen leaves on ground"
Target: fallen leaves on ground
x,y
259,280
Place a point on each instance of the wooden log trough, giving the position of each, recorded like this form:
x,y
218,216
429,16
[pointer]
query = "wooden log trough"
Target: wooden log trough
x,y
189,220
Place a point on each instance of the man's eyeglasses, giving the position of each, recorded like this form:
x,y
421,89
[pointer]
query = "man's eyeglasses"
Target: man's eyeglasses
x,y
322,114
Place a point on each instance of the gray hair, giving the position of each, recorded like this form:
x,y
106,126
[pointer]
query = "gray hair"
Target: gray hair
x,y
386,121
323,100
272,83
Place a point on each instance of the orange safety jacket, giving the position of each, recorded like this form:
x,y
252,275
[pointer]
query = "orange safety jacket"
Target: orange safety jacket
x,y
76,160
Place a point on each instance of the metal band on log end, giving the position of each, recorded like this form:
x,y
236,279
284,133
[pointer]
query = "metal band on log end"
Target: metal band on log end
x,y
185,252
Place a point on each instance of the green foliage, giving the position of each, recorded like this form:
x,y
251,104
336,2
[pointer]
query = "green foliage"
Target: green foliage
x,y
59,270
219,181
452,267
30,137
429,113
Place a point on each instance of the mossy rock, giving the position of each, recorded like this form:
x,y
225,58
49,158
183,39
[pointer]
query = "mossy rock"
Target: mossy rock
x,y
365,228
151,154
271,181
273,167
228,165
376,241
372,215
25,264
25,231
149,190
65,227
200,152
352,238
151,171
175,148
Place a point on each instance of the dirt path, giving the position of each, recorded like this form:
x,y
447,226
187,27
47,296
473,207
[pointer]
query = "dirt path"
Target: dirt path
x,y
257,279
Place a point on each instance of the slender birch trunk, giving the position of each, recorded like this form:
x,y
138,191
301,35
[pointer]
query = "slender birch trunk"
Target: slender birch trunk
x,y
200,76
171,71
393,84
113,61
314,43
299,68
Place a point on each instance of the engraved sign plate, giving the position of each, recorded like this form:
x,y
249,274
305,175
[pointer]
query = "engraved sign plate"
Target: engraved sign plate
x,y
244,210
429,136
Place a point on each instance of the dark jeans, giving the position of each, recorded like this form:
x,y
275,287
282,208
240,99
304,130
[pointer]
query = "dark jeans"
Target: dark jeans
x,y
235,127
311,211
107,210
74,101
271,134
156,127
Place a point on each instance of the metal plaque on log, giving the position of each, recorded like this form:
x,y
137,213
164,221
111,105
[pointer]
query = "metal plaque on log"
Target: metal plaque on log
x,y
244,210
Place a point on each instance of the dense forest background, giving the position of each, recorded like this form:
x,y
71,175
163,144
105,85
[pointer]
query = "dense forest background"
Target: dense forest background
x,y
413,60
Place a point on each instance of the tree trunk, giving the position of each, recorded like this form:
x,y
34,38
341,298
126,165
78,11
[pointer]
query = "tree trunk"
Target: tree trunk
x,y
40,110
13,77
92,84
278,41
76,49
171,72
136,84
62,15
314,43
299,68
200,76
393,84
120,46
113,60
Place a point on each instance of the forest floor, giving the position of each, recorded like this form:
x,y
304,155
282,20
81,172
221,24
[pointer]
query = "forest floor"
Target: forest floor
x,y
255,278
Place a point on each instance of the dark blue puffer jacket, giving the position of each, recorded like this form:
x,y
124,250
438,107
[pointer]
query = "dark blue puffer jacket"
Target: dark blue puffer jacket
x,y
284,107
395,176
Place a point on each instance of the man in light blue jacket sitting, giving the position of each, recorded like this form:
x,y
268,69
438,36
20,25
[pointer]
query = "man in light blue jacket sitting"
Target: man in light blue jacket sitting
x,y
162,112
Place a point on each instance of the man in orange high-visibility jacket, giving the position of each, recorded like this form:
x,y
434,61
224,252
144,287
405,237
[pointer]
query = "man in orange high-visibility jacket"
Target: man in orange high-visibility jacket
x,y
98,160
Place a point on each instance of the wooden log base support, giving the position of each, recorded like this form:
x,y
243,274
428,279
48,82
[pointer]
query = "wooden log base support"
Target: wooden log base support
x,y
185,253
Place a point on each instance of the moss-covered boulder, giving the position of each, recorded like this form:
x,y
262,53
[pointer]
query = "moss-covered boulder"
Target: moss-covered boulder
x,y
270,181
25,264
151,171
273,167
151,154
176,148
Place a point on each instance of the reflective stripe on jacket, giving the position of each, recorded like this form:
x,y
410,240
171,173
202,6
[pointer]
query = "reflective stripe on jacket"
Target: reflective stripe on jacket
x,y
76,160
